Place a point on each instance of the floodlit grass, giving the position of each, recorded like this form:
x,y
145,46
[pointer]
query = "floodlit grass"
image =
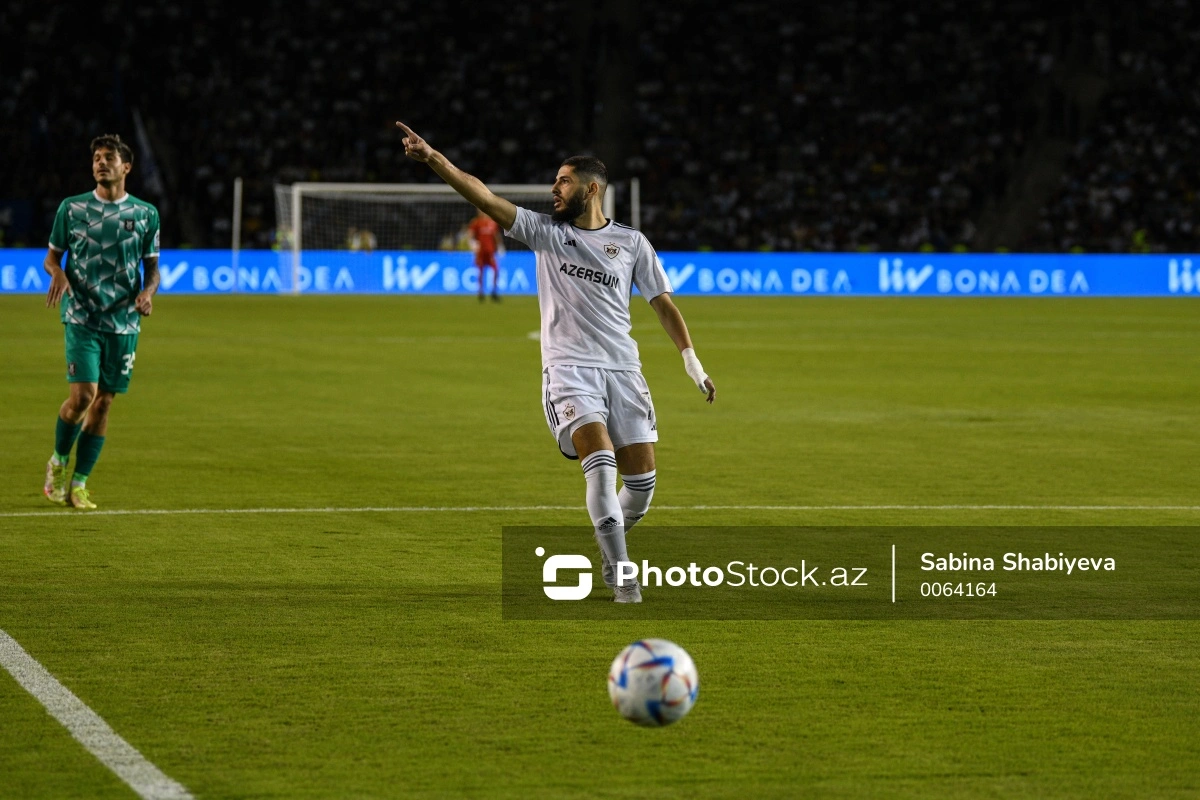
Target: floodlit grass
x,y
363,654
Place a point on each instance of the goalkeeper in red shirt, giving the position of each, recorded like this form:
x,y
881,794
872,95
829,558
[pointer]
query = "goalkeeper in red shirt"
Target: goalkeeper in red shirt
x,y
485,233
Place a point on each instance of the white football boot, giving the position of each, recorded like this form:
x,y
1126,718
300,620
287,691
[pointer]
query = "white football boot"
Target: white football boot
x,y
630,592
56,482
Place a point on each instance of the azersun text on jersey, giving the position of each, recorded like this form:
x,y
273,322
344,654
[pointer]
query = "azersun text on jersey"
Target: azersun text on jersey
x,y
585,279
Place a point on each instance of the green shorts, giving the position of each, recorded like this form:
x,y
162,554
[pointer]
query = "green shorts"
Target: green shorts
x,y
99,357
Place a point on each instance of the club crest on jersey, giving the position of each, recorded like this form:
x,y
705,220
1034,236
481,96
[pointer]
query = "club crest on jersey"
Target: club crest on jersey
x,y
611,250
569,412
129,225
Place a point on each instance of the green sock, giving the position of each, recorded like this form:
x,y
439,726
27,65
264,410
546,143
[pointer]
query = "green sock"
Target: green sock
x,y
85,456
64,439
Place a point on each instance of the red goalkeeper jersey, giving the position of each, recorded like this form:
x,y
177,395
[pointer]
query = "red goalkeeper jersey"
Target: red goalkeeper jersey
x,y
484,231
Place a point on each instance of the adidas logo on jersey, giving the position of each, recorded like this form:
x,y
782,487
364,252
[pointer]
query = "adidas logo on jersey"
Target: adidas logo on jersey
x,y
570,243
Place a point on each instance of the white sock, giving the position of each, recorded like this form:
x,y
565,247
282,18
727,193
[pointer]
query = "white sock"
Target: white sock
x,y
600,472
634,497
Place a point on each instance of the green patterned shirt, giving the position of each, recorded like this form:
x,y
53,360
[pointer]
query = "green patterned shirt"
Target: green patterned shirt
x,y
106,242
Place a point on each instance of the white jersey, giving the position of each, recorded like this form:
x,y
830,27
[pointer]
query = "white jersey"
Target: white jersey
x,y
585,279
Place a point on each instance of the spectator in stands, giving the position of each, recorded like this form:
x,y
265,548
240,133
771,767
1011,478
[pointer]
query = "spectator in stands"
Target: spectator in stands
x,y
875,126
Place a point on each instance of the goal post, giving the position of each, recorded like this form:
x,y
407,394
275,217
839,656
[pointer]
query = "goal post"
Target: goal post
x,y
390,217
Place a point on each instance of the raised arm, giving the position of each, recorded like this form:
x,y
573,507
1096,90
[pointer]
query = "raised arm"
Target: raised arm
x,y
672,322
471,188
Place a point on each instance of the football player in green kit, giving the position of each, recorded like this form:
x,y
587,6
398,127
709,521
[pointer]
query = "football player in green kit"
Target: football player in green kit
x,y
107,233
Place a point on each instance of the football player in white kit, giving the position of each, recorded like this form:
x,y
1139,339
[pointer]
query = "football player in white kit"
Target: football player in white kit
x,y
596,401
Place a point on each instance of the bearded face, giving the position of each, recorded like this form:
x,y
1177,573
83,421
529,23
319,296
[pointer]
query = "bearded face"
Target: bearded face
x,y
570,205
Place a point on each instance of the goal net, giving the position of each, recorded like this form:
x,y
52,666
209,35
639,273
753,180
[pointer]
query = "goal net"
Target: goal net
x,y
371,217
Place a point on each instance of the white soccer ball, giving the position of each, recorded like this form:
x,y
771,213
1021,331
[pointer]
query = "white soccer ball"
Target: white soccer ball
x,y
653,682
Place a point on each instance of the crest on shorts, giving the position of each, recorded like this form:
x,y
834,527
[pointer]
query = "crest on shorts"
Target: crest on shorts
x,y
611,250
71,369
129,225
569,412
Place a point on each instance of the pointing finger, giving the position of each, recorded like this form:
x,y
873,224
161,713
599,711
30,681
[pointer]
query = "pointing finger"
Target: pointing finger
x,y
406,129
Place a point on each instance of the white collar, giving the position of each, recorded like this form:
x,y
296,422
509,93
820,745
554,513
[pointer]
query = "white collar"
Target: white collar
x,y
120,199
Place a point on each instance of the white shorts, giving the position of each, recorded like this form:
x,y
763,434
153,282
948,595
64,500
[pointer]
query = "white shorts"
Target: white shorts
x,y
574,396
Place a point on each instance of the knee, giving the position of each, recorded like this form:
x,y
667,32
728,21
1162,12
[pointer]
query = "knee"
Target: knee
x,y
102,402
81,399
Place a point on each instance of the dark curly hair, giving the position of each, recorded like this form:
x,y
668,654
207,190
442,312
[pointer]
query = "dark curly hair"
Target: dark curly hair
x,y
113,142
590,167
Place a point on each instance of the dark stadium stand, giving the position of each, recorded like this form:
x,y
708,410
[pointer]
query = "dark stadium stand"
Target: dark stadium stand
x,y
1132,178
879,129
867,126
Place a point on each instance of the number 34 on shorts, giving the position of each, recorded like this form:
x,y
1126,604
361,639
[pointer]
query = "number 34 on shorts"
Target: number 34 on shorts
x,y
100,357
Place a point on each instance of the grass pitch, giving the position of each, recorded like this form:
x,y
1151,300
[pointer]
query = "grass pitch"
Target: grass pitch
x,y
363,654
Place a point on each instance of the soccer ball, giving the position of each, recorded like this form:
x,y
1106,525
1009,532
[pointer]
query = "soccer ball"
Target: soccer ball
x,y
653,683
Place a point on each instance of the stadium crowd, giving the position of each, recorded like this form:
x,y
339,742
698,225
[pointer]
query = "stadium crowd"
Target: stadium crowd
x,y
881,128
868,126
290,91
1132,180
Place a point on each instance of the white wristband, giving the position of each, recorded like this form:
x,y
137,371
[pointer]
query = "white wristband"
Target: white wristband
x,y
694,370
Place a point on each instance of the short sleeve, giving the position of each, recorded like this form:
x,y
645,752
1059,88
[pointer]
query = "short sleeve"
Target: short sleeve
x,y
648,274
532,229
58,233
150,241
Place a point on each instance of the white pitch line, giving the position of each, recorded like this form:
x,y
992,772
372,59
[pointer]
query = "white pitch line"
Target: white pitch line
x,y
320,510
931,508
474,509
87,726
